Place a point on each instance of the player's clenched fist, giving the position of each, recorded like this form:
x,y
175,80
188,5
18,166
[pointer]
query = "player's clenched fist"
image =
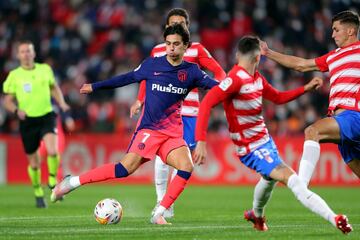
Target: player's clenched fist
x,y
314,84
86,88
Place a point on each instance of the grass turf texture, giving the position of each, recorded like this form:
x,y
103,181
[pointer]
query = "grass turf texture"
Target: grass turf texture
x,y
202,212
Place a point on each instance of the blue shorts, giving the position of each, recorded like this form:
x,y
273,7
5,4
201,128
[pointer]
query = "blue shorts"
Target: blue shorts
x,y
264,159
189,131
349,124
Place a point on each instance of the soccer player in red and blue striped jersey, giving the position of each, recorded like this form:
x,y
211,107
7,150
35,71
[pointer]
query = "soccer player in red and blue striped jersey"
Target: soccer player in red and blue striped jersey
x,y
168,81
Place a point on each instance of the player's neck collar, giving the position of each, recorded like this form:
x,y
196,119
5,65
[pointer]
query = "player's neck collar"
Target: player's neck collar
x,y
174,64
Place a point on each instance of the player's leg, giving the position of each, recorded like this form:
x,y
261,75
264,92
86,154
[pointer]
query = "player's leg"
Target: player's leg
x,y
262,194
324,130
262,160
162,170
29,133
161,175
177,156
309,199
48,133
127,165
354,165
34,172
143,146
53,158
349,145
180,159
189,124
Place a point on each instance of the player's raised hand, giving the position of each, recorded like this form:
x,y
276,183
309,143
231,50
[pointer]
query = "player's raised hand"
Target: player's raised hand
x,y
314,84
135,108
263,47
200,153
86,88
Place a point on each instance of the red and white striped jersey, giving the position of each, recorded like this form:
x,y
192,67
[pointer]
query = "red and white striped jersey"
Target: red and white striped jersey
x,y
242,95
343,65
198,54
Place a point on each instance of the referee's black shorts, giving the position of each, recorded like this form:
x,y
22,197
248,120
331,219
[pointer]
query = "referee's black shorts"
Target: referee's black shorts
x,y
33,129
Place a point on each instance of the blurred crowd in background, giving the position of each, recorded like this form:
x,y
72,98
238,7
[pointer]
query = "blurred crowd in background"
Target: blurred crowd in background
x,y
89,41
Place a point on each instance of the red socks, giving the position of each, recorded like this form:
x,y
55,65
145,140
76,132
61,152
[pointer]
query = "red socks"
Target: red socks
x,y
176,187
101,173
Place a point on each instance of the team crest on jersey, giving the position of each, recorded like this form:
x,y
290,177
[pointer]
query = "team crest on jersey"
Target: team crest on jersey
x,y
141,146
225,84
182,75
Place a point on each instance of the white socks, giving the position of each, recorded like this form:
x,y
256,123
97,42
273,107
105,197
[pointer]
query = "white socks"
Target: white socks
x,y
262,194
75,181
161,178
310,157
310,199
159,210
173,174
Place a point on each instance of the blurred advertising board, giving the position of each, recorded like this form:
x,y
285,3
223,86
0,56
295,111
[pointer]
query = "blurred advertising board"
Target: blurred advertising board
x,y
86,151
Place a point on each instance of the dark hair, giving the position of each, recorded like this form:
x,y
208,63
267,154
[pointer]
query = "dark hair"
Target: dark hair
x,y
23,41
178,12
180,30
347,17
248,44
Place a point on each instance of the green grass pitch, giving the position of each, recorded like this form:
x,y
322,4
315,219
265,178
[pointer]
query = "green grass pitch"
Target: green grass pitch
x,y
202,212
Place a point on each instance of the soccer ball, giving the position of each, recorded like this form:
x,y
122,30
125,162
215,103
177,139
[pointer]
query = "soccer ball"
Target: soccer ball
x,y
108,211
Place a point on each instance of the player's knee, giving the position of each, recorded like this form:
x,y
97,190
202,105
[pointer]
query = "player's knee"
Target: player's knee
x,y
311,133
33,162
186,166
52,152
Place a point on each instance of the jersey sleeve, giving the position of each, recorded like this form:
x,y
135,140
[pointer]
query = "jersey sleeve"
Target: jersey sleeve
x,y
9,85
321,63
206,61
226,89
142,86
280,97
203,80
137,75
50,75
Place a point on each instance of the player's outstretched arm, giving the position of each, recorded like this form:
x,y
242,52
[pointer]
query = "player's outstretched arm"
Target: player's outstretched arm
x,y
281,97
293,62
59,97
